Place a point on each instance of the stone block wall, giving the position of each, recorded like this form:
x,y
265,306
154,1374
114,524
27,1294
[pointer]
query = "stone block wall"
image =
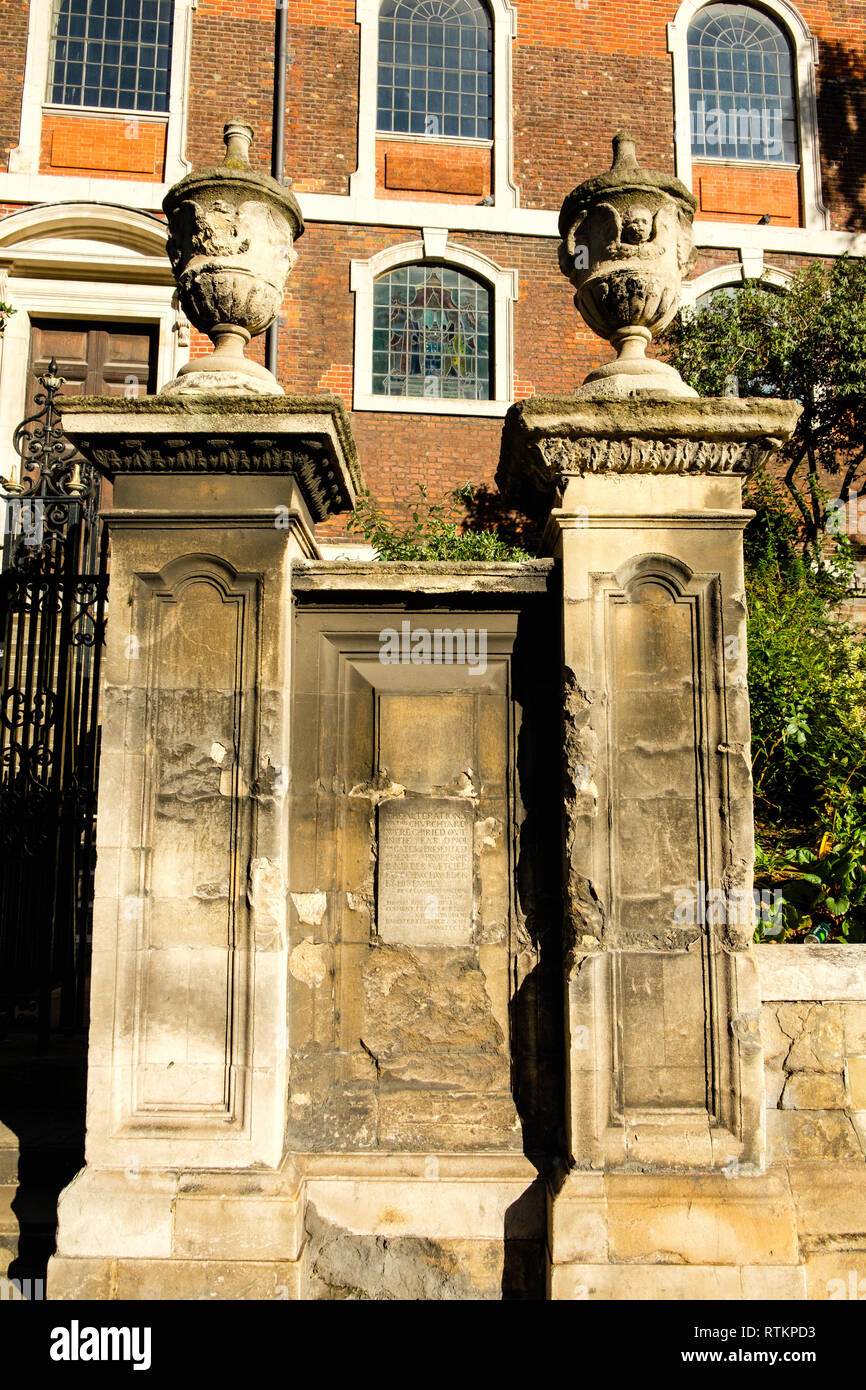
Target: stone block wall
x,y
813,1030
815,1070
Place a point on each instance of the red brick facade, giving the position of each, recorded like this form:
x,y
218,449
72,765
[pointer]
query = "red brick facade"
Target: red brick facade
x,y
581,69
116,146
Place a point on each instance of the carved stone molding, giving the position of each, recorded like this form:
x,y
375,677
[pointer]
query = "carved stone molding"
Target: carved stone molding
x,y
306,437
548,439
636,455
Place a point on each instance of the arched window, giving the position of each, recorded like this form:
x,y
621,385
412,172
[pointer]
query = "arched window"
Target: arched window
x,y
111,54
742,98
435,68
431,334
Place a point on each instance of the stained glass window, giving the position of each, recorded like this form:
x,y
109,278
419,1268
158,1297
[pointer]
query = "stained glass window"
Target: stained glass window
x,y
114,54
431,334
741,86
436,68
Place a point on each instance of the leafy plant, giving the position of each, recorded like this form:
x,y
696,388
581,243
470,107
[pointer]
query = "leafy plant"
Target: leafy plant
x,y
435,531
807,684
807,343
824,890
807,687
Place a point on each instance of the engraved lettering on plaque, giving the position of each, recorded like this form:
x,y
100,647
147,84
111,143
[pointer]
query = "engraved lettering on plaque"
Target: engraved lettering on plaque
x,y
425,872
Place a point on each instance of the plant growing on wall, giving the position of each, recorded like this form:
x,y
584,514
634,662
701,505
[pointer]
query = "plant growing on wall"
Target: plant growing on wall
x,y
435,530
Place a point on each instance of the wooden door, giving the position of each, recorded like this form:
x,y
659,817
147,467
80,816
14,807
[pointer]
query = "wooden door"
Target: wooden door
x,y
97,359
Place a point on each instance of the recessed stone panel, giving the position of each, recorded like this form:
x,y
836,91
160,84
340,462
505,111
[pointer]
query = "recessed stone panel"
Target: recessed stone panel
x,y
427,742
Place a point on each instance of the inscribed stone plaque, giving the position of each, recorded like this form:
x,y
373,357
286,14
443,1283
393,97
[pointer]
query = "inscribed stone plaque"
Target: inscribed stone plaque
x,y
425,872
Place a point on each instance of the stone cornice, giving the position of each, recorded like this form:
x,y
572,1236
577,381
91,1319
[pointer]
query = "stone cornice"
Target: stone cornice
x,y
308,437
476,577
547,439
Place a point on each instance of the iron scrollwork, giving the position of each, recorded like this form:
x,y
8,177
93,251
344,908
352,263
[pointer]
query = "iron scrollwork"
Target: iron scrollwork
x,y
56,484
53,590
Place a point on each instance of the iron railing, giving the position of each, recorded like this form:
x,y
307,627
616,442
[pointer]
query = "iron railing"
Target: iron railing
x,y
53,590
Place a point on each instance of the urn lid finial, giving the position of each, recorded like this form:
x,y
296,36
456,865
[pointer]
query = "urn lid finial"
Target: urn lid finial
x,y
625,163
238,137
625,176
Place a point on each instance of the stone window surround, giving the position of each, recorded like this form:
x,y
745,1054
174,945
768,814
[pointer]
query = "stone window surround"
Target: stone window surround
x,y
434,247
804,51
96,289
362,184
24,158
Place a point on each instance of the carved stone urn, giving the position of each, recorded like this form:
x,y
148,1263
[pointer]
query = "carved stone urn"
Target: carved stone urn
x,y
231,247
627,242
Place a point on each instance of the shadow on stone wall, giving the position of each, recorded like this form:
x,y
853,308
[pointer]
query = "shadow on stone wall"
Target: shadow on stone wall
x,y
42,1102
537,1023
842,128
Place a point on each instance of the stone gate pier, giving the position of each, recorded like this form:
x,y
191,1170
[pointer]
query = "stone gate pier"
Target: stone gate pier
x,y
667,1194
214,499
422,962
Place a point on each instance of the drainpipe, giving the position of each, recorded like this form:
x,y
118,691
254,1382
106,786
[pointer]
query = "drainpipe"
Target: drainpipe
x,y
278,148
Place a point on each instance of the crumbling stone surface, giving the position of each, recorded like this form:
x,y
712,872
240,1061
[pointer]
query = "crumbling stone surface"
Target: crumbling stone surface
x,y
343,1265
813,1090
803,1136
811,1071
820,1045
775,1040
189,775
585,918
428,1018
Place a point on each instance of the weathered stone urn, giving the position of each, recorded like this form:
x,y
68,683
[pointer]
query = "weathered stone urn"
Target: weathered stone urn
x,y
627,242
231,249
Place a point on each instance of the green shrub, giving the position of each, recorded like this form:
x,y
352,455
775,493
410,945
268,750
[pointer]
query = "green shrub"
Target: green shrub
x,y
435,531
807,688
807,344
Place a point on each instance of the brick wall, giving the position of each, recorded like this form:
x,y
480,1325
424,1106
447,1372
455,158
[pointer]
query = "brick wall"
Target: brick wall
x,y
117,147
553,351
322,96
231,74
567,106
735,193
13,46
433,173
581,70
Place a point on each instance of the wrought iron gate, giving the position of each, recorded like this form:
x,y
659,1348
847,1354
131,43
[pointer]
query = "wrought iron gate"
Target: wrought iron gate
x,y
53,589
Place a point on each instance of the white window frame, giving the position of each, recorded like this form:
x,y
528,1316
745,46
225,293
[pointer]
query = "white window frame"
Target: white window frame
x,y
804,50
127,279
362,183
434,247
24,158
749,268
